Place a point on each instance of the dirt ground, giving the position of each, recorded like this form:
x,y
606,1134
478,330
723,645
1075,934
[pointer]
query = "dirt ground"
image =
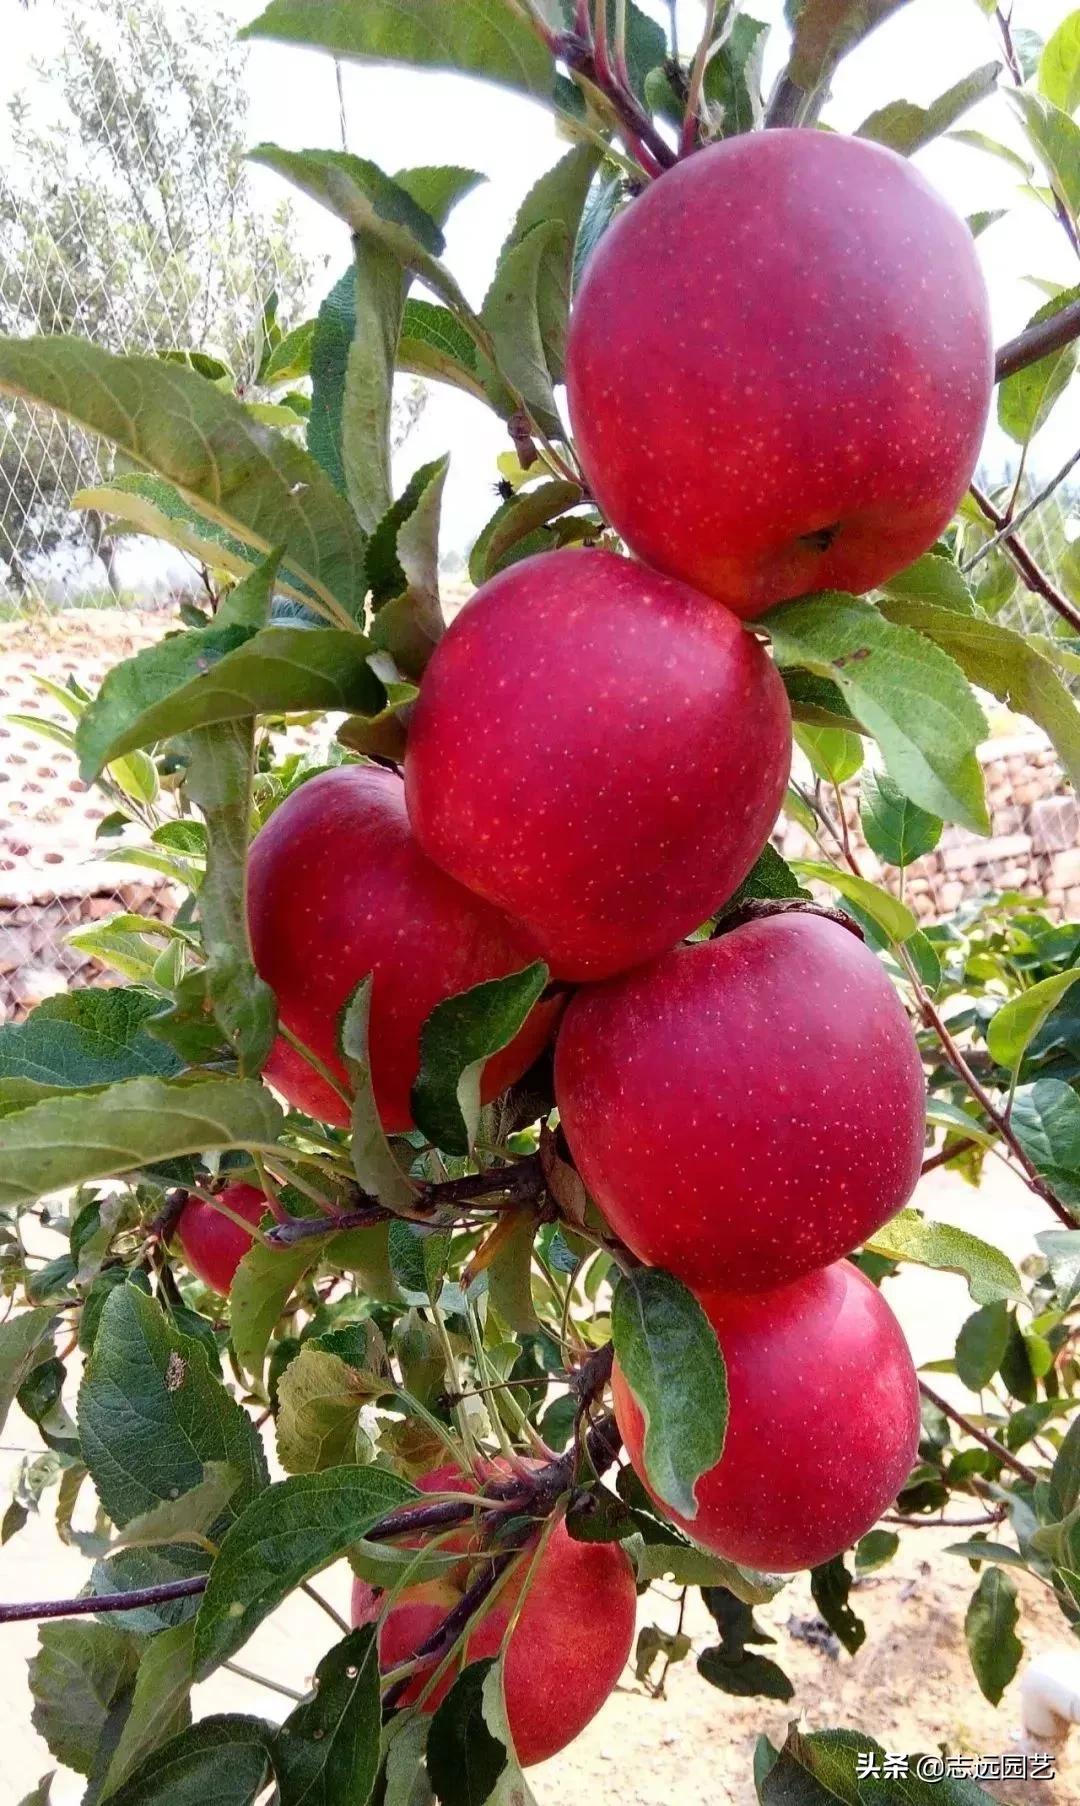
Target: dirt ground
x,y
910,1686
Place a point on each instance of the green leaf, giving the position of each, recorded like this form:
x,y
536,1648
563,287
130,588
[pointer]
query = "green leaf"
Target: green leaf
x,y
769,877
152,1416
481,37
455,1041
1056,139
689,1566
148,504
40,1795
1017,1022
160,1704
434,344
1046,1118
990,1628
335,329
377,1171
511,315
22,1346
262,1286
990,1274
1059,65
285,1535
81,1673
320,1398
993,148
873,1550
1026,398
327,1751
1064,1490
559,197
214,674
732,82
221,1761
824,32
1062,1246
411,625
187,1516
500,542
893,917
981,1345
748,1677
290,360
670,1358
834,754
418,1259
405,1776
906,128
246,477
510,1275
221,763
464,1758
64,1141
903,689
830,1585
896,829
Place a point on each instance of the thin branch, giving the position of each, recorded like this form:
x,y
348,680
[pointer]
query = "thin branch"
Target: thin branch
x,y
1038,341
1034,576
263,1680
88,1605
578,56
689,136
520,1183
945,1154
1013,522
997,1449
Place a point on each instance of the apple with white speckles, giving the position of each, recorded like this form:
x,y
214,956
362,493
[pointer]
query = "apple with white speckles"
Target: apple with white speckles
x,y
823,1426
779,367
600,752
338,889
213,1244
746,1109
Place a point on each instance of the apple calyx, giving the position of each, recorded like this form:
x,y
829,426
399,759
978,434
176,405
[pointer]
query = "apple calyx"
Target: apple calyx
x,y
756,909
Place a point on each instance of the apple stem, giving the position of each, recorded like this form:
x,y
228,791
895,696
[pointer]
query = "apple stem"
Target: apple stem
x,y
576,52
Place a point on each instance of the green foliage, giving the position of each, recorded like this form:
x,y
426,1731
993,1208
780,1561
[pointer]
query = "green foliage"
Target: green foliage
x,y
990,1627
668,1352
458,1037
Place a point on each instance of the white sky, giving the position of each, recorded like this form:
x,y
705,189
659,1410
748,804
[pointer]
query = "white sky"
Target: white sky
x,y
401,117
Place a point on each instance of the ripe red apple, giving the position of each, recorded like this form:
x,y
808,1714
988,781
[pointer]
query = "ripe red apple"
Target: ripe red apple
x,y
213,1245
567,1649
599,752
337,889
745,1109
779,367
823,1425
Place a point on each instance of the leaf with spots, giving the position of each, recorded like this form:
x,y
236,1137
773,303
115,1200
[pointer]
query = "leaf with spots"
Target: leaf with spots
x,y
152,1416
327,1751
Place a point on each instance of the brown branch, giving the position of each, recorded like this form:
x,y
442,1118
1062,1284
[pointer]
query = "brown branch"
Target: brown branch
x,y
1038,341
945,1154
518,1184
87,1604
997,1449
993,1517
578,56
1035,578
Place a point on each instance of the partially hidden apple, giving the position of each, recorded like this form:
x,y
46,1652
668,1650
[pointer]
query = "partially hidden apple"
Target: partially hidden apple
x,y
599,752
213,1245
779,367
823,1425
745,1109
567,1650
338,889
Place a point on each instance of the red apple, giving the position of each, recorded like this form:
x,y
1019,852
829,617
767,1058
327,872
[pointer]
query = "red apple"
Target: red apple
x,y
337,889
780,366
823,1425
570,1643
213,1245
745,1109
599,752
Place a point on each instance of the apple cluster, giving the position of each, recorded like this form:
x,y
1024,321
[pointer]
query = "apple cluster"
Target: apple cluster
x,y
778,372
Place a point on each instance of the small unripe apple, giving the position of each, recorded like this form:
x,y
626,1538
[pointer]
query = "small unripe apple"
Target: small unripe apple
x,y
600,752
823,1424
567,1650
779,367
338,889
746,1109
213,1245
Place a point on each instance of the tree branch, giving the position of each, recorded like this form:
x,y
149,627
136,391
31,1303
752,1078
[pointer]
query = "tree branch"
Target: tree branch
x,y
1034,576
1013,523
578,56
997,1449
87,1604
1038,341
518,1184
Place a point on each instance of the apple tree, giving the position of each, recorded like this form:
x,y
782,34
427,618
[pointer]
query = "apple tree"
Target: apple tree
x,y
488,1175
